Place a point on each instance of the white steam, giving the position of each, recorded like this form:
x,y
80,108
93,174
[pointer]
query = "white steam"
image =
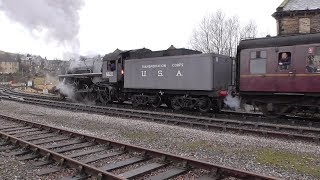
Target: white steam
x,y
57,19
75,64
51,79
235,104
71,56
232,102
66,89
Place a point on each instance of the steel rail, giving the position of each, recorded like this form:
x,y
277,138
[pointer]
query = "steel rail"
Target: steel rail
x,y
193,121
293,120
220,171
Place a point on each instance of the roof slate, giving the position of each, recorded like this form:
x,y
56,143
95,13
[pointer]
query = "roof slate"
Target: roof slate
x,y
7,57
295,5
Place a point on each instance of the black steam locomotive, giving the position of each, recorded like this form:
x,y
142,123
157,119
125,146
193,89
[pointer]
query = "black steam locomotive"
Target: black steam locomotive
x,y
179,78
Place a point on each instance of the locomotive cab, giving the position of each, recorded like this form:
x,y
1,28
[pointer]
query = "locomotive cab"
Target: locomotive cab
x,y
112,70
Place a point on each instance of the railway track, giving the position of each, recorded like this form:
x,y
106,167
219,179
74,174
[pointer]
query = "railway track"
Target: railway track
x,y
292,132
51,149
227,114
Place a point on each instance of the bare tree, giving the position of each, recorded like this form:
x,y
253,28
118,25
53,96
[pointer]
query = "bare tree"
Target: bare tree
x,y
249,31
232,32
201,36
219,34
217,26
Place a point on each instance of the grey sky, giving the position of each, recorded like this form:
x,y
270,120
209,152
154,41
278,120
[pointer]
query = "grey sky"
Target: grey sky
x,y
125,24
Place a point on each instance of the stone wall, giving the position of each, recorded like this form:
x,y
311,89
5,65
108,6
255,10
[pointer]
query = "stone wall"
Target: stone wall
x,y
299,24
9,67
315,23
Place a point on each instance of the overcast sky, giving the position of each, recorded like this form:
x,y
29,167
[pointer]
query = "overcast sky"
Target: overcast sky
x,y
128,24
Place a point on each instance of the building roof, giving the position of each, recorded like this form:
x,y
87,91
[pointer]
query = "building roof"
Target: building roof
x,y
7,57
297,5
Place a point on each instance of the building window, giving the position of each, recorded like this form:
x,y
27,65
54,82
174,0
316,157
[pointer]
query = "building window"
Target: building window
x,y
304,25
284,60
258,62
313,60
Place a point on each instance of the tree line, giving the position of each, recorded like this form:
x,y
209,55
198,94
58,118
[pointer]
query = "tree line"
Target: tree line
x,y
220,34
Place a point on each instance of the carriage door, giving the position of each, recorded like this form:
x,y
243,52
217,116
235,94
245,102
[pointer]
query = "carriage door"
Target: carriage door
x,y
111,72
285,70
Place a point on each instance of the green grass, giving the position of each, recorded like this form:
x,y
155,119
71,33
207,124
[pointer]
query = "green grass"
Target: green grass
x,y
207,146
305,164
196,145
141,136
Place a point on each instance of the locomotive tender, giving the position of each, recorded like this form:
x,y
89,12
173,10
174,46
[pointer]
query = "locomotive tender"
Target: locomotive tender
x,y
180,78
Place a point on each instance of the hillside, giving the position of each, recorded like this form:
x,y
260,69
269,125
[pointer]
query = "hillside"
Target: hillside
x,y
4,52
6,56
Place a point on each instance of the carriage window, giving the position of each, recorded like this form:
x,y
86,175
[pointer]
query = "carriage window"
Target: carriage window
x,y
258,62
313,60
284,60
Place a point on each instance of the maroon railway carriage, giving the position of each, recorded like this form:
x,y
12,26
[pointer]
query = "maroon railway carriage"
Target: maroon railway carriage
x,y
280,75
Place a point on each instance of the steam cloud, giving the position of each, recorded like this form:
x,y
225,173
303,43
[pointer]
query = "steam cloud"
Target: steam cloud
x,y
232,102
58,19
235,104
66,89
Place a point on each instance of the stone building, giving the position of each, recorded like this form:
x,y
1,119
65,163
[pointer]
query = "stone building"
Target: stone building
x,y
8,63
298,17
56,67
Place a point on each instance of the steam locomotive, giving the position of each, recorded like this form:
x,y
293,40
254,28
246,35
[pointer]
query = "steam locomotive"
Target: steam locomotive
x,y
180,78
280,75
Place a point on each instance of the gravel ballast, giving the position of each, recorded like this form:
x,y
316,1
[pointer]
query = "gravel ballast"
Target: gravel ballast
x,y
284,159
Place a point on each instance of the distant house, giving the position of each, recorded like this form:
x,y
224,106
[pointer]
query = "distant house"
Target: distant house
x,y
298,17
56,67
8,63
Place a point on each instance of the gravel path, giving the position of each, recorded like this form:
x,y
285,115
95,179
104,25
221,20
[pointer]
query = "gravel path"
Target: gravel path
x,y
13,169
273,157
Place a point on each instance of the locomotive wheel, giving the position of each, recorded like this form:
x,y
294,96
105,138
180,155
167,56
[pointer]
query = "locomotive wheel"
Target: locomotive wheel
x,y
218,105
61,97
167,101
93,97
204,104
169,104
135,102
99,98
103,97
79,97
176,103
120,101
84,97
277,111
270,114
156,102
